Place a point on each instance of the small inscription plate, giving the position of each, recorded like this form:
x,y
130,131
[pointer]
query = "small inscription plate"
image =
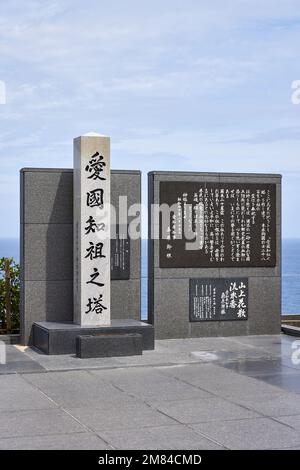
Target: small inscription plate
x,y
217,224
214,299
120,255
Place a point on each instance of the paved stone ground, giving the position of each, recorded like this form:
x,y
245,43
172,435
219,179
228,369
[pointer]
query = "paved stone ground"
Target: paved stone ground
x,y
211,393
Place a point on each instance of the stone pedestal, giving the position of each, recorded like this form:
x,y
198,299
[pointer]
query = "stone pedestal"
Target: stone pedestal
x,y
60,338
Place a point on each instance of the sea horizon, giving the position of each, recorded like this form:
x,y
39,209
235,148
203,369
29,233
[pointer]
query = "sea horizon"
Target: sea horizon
x,y
9,248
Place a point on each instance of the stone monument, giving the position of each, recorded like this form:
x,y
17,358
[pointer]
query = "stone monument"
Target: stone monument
x,y
214,254
93,328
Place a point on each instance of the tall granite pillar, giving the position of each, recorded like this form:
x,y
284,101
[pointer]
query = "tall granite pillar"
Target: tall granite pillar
x,y
92,230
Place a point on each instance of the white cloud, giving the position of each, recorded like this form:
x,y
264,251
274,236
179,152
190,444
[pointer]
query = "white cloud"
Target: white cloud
x,y
178,85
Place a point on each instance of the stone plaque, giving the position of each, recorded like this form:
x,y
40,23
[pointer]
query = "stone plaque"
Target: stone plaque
x,y
215,299
217,225
120,255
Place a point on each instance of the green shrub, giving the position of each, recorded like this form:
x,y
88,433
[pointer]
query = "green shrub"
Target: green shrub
x,y
9,295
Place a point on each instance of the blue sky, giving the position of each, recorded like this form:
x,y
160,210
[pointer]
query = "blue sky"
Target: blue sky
x,y
178,85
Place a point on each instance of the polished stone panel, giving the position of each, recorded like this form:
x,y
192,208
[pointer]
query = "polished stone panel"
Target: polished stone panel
x,y
49,196
168,287
48,251
109,345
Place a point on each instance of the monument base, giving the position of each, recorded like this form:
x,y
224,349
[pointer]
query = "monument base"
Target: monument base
x,y
104,345
60,338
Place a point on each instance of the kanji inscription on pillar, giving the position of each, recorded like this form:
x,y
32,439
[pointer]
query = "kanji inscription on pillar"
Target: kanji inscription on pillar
x,y
92,255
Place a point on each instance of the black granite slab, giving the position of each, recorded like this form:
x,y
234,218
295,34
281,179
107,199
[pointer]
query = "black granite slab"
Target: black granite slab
x,y
60,338
290,330
109,345
261,215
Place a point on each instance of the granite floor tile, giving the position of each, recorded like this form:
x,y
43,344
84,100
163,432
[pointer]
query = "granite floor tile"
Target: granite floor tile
x,y
148,384
69,362
203,410
274,404
257,368
37,423
289,448
20,367
123,415
222,357
80,441
277,346
210,397
248,434
75,388
289,382
202,344
293,421
160,438
17,394
260,340
220,381
17,361
148,359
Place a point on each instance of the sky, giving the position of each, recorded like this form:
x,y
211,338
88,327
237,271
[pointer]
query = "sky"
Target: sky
x,y
178,85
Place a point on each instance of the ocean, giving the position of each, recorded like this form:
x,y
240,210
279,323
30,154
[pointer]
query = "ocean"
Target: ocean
x,y
290,272
291,277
